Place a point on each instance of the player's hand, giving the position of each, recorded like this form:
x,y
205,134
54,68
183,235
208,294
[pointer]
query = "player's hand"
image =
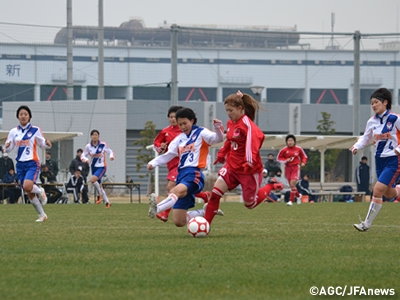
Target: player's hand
x,y
353,150
397,150
149,167
112,158
220,160
302,164
47,142
217,123
8,143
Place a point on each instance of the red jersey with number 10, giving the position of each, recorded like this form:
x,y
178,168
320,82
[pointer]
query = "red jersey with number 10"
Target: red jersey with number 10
x,y
242,146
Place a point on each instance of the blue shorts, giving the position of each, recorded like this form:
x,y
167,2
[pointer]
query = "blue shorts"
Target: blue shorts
x,y
99,172
193,178
388,170
27,170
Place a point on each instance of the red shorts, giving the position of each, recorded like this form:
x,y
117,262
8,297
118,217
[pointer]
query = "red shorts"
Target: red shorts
x,y
250,182
172,174
292,172
172,167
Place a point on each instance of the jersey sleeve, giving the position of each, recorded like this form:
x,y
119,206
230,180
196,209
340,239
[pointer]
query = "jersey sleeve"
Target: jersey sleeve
x,y
160,138
167,156
365,139
85,153
254,139
10,138
108,150
280,157
212,137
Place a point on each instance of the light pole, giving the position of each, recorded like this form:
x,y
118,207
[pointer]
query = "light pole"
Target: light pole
x,y
257,90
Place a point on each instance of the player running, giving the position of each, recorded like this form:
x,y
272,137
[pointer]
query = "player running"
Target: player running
x,y
384,129
240,155
26,138
192,146
293,157
97,150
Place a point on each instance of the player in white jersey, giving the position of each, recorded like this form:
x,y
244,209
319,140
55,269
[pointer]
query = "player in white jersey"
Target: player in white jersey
x,y
384,130
192,147
97,150
26,138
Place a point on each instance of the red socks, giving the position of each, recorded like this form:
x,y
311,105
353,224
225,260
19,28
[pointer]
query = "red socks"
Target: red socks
x,y
213,204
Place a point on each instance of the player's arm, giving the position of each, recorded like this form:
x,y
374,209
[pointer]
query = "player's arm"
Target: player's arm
x,y
363,140
84,154
159,142
109,151
281,155
166,157
216,136
42,141
10,143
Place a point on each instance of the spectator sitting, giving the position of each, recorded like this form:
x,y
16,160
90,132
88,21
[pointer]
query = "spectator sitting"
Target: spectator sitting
x,y
129,180
5,164
286,187
46,177
77,163
51,164
303,187
12,192
271,165
76,186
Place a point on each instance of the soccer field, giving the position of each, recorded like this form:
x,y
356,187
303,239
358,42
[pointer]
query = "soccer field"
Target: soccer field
x,y
271,252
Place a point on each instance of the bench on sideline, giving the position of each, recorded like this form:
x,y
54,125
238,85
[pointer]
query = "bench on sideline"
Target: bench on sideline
x,y
326,190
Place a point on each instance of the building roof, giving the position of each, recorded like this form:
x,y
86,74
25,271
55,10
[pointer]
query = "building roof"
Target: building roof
x,y
52,136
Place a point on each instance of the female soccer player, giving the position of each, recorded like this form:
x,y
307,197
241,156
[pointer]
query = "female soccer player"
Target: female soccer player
x,y
192,146
383,128
161,142
97,150
241,155
26,138
293,157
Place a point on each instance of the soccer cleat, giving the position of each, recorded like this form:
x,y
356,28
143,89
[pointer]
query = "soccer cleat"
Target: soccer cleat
x,y
162,216
108,205
277,186
290,203
42,218
153,205
42,196
299,199
361,227
99,199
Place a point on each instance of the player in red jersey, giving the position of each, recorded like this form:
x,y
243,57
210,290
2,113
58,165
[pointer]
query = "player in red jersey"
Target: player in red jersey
x,y
161,142
293,157
241,156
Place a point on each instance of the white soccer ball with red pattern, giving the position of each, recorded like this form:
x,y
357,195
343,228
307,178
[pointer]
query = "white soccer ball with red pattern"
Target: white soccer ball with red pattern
x,y
198,227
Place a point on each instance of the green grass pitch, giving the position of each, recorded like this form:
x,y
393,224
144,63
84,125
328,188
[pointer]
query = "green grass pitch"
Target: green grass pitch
x,y
271,252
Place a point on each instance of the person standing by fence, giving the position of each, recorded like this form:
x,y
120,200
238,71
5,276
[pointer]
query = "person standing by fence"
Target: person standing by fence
x,y
363,176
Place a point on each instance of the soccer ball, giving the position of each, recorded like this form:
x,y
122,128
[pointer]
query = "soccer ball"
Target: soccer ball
x,y
198,227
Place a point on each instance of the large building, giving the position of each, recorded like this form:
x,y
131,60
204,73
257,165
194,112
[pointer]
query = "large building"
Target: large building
x,y
299,83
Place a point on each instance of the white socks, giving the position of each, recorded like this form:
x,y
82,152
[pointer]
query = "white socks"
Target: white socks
x,y
37,205
373,210
167,203
194,213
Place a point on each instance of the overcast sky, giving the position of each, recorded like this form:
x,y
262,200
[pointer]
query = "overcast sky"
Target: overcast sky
x,y
368,16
